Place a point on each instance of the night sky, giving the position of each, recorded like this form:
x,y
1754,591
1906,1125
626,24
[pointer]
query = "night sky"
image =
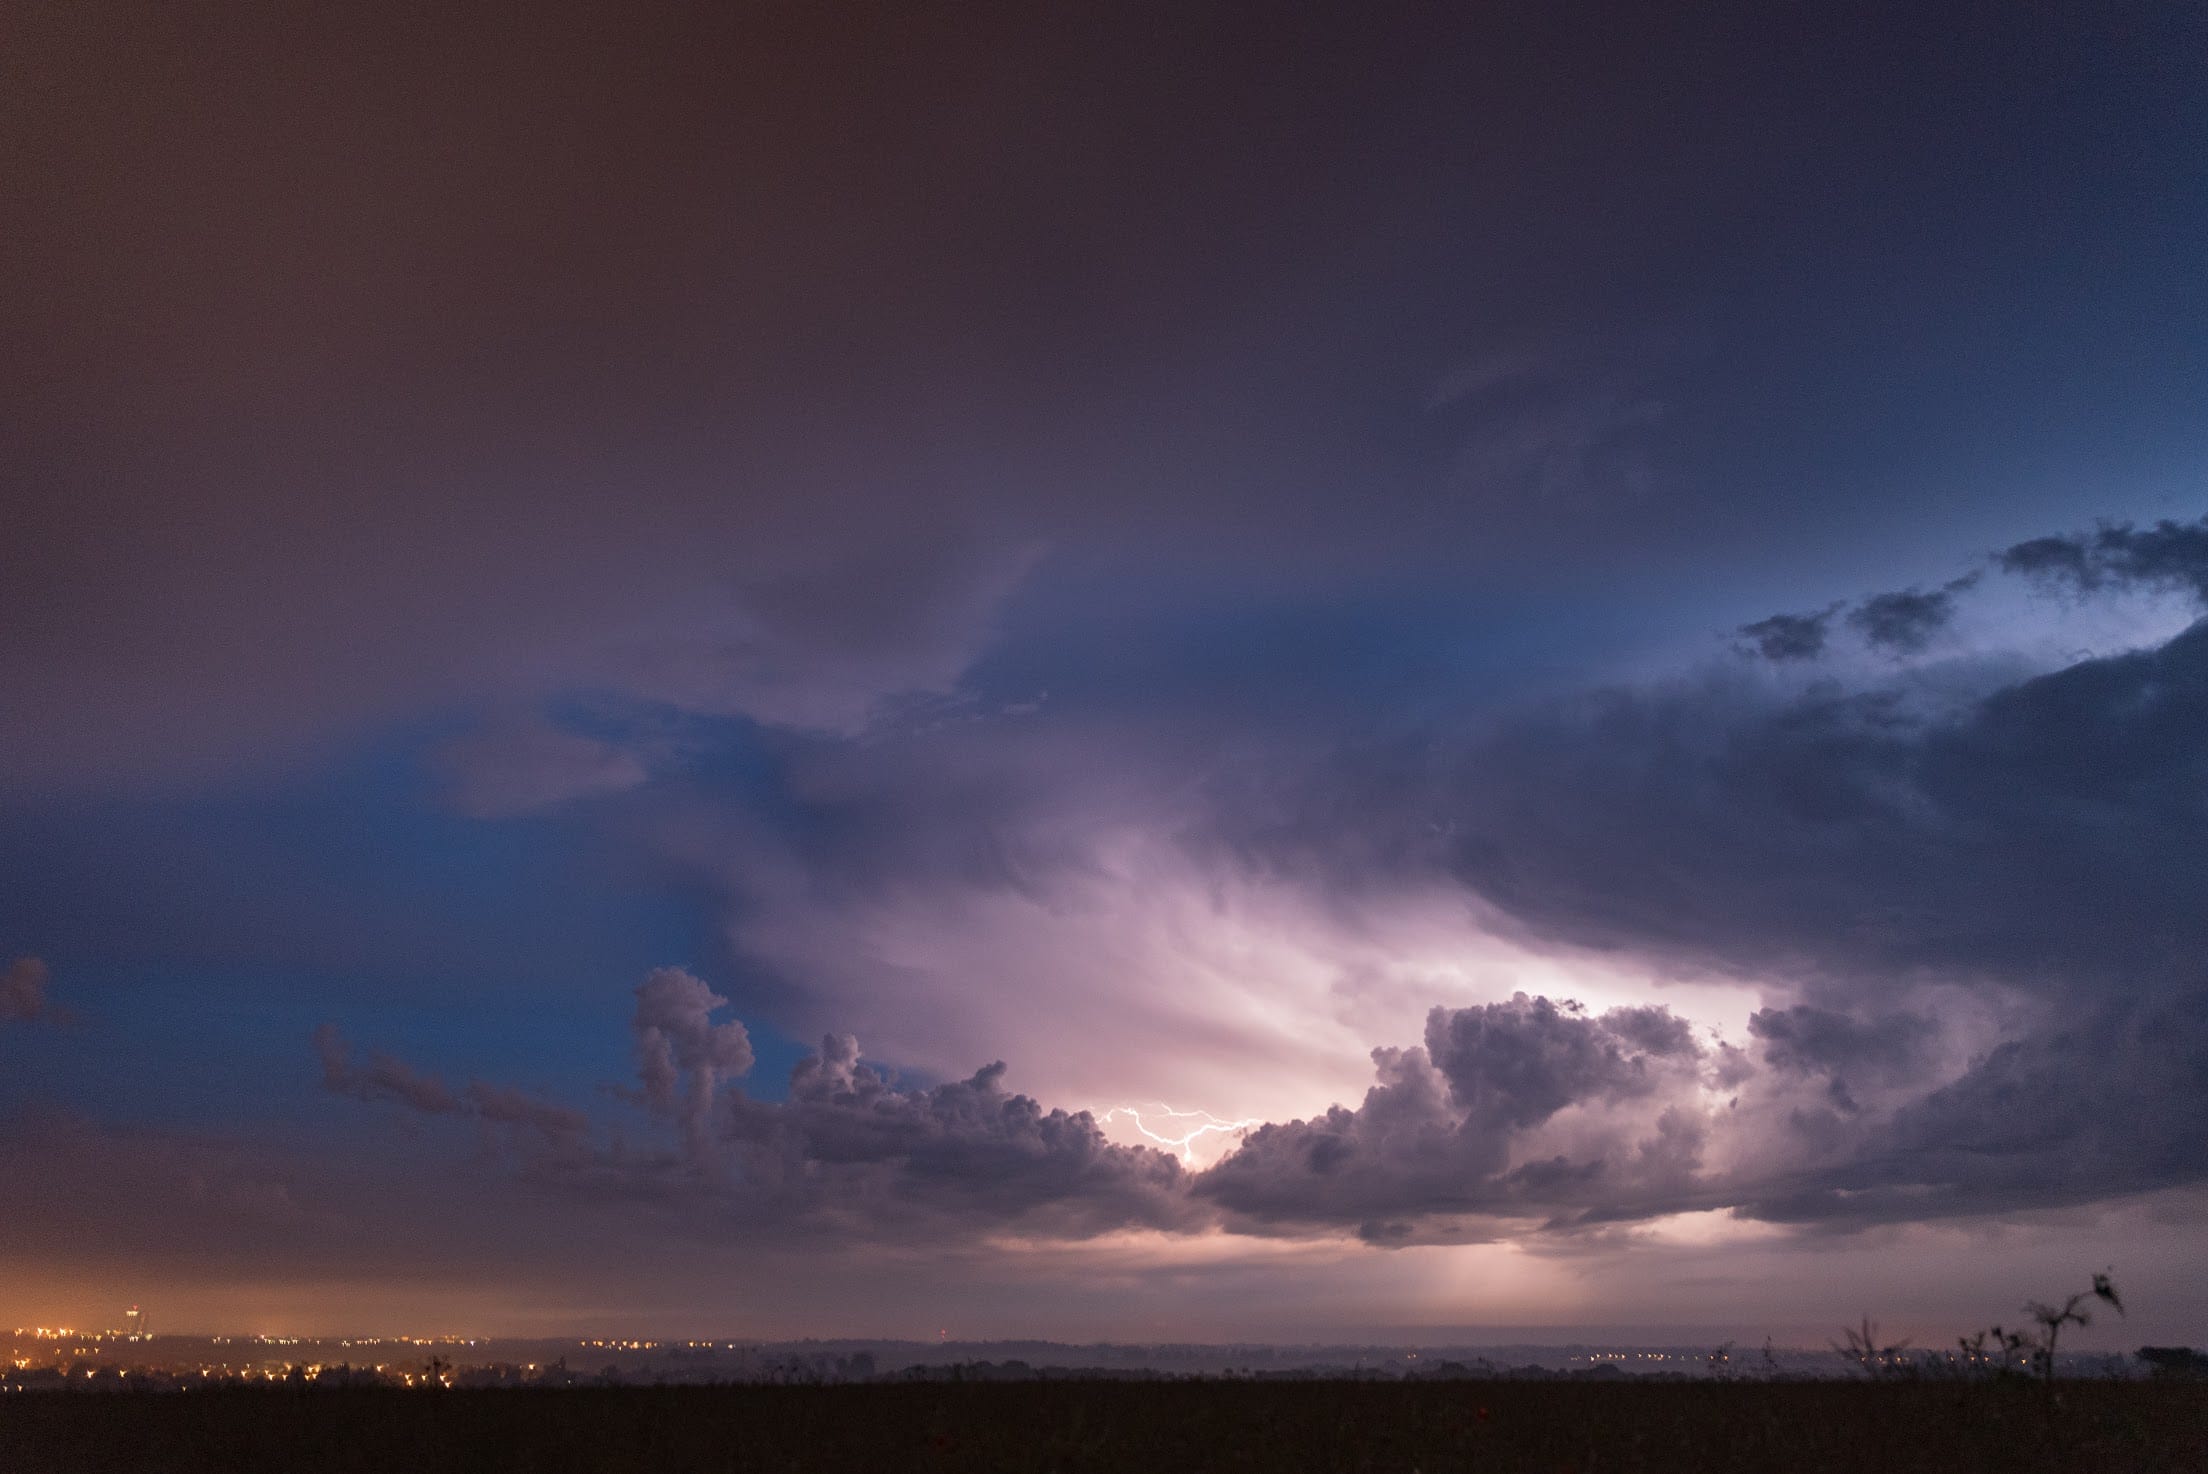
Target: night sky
x,y
653,662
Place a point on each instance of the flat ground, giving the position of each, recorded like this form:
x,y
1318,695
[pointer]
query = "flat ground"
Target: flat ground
x,y
1277,1427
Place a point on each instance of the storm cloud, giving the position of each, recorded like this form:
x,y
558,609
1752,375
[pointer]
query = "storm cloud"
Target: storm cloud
x,y
2035,843
1785,637
1446,1129
2045,833
1963,894
1809,1040
1906,621
847,1142
2112,1103
2167,554
848,1152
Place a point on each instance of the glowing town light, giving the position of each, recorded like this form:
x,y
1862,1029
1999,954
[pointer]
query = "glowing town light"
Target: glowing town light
x,y
1190,1124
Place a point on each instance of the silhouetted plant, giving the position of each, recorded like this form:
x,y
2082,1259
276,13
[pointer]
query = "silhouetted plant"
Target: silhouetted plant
x,y
1977,1356
2035,1350
2053,1318
1862,1347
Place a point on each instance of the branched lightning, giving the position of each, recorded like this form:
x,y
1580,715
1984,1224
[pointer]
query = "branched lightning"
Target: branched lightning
x,y
1190,1124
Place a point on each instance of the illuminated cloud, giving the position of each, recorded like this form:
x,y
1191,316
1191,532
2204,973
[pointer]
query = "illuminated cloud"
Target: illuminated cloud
x,y
1451,1131
682,1055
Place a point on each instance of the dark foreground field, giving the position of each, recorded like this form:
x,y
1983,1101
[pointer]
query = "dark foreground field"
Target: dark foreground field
x,y
2096,1428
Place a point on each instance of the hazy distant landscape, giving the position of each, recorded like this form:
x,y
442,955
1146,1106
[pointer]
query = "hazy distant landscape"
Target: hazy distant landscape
x,y
51,1361
56,1359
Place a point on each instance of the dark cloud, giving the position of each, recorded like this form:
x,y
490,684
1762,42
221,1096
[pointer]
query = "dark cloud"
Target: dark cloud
x,y
2028,848
1785,637
847,1143
1443,1134
2047,832
1510,1117
848,1153
2108,1108
2115,1103
1807,1039
2038,839
384,1078
2024,841
2165,555
1905,622
23,990
1513,1065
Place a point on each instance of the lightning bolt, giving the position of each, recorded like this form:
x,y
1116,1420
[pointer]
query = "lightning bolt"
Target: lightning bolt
x,y
1190,1124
